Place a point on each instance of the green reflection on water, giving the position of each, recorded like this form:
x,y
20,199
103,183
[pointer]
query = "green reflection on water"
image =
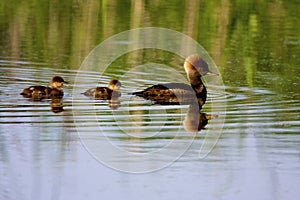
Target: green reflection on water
x,y
245,38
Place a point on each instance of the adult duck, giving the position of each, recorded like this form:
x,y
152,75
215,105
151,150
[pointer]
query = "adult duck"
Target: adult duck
x,y
177,93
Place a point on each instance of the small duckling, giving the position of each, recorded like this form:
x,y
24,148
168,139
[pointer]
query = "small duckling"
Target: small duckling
x,y
105,93
39,92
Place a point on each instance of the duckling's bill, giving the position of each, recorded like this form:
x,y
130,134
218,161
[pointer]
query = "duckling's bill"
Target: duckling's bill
x,y
209,73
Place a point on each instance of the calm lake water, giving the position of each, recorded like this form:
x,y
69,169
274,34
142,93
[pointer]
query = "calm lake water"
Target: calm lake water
x,y
80,148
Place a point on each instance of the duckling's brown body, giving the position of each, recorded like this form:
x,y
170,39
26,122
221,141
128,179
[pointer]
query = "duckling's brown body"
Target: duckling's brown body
x,y
38,92
105,93
101,93
178,93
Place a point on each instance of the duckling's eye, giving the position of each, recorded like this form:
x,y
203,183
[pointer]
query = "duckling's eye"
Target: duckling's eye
x,y
31,88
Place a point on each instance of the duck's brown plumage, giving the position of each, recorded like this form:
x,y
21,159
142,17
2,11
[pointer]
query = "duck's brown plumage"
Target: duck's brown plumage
x,y
38,92
172,93
176,93
105,93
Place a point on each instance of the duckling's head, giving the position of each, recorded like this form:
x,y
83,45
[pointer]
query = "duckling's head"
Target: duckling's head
x,y
195,64
57,82
114,84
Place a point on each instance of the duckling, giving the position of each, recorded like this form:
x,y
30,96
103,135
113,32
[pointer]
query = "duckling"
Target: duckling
x,y
176,93
105,93
39,92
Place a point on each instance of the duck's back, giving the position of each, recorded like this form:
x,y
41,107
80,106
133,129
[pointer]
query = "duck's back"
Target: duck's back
x,y
171,93
168,89
35,91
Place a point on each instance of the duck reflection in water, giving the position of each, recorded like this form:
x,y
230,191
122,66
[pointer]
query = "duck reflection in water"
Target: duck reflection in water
x,y
110,93
114,103
56,105
195,120
179,93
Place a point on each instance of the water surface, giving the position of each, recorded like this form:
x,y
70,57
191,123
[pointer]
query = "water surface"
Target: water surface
x,y
256,46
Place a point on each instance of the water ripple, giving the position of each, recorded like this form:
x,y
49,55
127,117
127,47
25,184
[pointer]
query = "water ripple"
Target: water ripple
x,y
256,108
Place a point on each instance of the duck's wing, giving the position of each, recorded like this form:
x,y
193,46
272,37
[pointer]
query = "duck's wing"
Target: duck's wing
x,y
27,92
168,89
179,86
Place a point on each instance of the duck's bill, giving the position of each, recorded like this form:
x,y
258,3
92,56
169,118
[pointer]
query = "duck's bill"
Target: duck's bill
x,y
66,83
211,74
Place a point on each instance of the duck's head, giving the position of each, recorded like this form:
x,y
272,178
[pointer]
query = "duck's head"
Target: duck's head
x,y
57,82
114,84
194,64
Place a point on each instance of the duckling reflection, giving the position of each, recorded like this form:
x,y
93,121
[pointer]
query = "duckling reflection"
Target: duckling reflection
x,y
195,121
39,92
114,103
56,105
180,93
